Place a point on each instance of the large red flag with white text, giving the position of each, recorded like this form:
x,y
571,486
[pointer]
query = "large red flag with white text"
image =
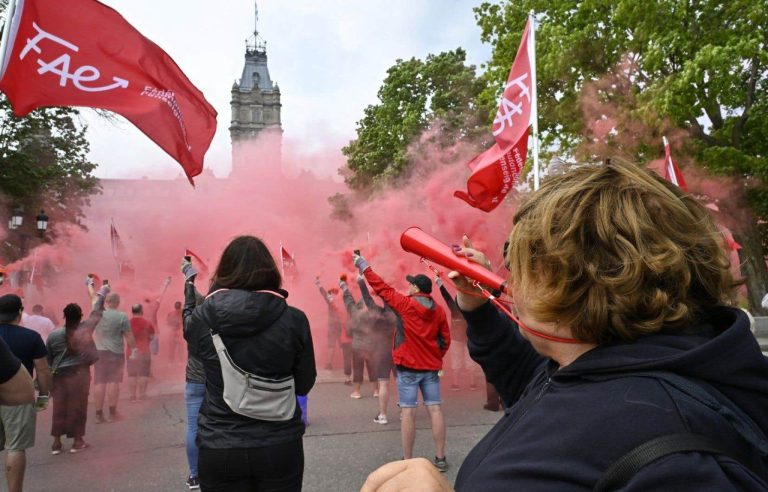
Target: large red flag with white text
x,y
496,170
83,53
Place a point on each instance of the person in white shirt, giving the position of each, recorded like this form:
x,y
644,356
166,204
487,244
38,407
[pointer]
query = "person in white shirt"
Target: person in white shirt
x,y
38,322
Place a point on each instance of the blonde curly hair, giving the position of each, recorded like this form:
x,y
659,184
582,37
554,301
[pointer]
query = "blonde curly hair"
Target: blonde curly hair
x,y
615,252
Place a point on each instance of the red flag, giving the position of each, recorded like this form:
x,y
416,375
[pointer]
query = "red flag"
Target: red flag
x,y
83,53
496,170
289,263
671,171
286,257
118,250
200,262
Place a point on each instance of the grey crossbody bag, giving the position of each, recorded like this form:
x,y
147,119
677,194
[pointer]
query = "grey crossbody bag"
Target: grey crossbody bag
x,y
251,395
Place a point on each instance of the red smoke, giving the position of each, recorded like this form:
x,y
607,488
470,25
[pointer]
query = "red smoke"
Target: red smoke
x,y
158,220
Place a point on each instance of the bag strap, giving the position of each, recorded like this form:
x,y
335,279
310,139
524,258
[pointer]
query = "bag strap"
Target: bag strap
x,y
623,469
57,361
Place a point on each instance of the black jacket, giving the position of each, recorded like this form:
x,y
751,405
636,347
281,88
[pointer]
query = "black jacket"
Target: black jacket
x,y
566,426
264,336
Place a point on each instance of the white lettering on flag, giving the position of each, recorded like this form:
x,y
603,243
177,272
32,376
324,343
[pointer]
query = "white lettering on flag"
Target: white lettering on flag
x,y
507,108
61,65
169,98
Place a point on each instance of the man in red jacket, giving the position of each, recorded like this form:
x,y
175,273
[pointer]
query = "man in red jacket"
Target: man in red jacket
x,y
421,340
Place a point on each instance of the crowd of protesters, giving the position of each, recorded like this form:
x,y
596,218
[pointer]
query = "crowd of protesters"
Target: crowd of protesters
x,y
616,357
63,361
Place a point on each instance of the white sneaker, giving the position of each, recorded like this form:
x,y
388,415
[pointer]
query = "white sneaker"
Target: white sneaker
x,y
381,419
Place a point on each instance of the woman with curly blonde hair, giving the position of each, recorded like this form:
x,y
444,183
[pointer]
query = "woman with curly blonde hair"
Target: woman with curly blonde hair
x,y
625,351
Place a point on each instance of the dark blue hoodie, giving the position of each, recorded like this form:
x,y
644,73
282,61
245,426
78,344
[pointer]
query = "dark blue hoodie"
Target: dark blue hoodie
x,y
565,427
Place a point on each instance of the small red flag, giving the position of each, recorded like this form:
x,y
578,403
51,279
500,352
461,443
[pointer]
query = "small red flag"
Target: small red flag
x,y
200,263
671,171
495,171
288,262
83,53
287,258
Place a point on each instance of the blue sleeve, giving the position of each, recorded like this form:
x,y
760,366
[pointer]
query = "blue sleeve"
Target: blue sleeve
x,y
509,361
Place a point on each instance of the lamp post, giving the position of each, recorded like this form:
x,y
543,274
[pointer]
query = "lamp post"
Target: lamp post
x,y
42,223
17,218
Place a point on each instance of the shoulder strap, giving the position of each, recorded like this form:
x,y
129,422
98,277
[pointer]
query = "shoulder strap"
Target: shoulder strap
x,y
621,471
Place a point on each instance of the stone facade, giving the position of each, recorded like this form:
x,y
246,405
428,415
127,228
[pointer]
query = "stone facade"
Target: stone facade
x,y
255,106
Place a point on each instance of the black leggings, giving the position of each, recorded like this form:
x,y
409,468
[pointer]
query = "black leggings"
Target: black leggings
x,y
278,468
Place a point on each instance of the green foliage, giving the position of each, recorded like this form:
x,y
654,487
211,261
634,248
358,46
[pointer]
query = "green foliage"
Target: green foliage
x,y
44,164
692,62
697,65
434,94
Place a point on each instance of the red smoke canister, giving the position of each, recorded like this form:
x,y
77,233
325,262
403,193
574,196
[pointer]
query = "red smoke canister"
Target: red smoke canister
x,y
418,242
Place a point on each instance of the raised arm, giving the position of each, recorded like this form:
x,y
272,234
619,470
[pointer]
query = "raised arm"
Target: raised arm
x,y
367,299
98,309
397,301
349,301
323,292
191,299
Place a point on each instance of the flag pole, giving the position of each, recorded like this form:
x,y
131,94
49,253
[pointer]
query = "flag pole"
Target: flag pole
x,y
9,14
34,266
534,102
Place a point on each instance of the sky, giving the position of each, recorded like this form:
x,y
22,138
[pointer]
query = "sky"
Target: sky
x,y
329,58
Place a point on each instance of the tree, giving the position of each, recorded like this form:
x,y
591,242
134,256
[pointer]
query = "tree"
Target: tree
x,y
700,66
437,95
43,165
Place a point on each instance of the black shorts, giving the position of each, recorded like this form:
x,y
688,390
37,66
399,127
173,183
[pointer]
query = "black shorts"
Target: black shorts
x,y
109,367
140,366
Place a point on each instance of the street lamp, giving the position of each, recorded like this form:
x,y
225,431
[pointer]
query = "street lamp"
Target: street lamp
x,y
42,223
17,218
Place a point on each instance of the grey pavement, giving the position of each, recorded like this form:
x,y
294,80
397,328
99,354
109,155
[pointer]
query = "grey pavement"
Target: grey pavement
x,y
145,451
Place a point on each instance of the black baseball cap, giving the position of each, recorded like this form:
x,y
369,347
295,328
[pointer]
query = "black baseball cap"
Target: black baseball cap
x,y
422,282
10,306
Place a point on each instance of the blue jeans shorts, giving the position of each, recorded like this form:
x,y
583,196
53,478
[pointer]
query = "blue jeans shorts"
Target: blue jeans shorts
x,y
409,383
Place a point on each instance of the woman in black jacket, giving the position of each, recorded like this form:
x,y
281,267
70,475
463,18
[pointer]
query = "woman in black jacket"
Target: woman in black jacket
x,y
266,338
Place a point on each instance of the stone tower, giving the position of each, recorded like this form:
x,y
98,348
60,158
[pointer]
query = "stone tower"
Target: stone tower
x,y
255,106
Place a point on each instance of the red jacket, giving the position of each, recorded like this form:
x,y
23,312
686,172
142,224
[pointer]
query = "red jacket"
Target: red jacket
x,y
423,336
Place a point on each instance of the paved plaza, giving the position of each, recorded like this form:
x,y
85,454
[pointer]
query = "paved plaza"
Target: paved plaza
x,y
145,452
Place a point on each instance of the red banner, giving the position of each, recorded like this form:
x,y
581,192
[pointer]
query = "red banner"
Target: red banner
x,y
495,171
83,53
671,171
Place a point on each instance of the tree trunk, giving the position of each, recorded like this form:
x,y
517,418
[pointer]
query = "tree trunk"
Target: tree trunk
x,y
753,268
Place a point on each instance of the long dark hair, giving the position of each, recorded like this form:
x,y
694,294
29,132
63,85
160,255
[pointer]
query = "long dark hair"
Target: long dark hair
x,y
73,315
246,264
